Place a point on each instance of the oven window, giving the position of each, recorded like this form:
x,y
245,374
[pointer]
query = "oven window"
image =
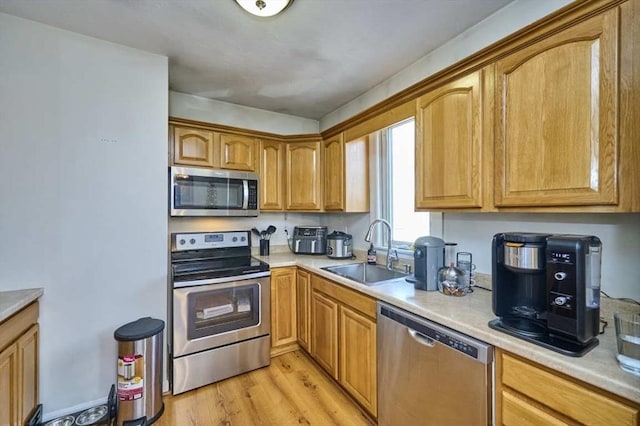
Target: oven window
x,y
208,193
219,311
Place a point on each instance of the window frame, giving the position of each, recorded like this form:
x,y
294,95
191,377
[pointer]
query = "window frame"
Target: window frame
x,y
381,184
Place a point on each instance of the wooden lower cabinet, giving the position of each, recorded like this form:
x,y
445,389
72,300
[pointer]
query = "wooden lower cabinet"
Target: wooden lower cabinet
x,y
357,357
284,336
343,339
9,393
324,337
19,337
530,394
303,308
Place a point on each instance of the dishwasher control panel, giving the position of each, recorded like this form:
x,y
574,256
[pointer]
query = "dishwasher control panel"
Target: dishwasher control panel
x,y
456,344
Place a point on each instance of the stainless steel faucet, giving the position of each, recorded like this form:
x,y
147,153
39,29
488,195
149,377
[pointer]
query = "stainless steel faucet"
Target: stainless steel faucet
x,y
390,256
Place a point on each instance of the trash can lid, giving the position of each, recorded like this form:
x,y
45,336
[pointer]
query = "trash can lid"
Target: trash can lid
x,y
139,329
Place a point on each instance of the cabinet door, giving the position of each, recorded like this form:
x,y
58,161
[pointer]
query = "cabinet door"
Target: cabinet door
x,y
28,372
334,183
303,294
272,175
448,145
237,152
9,392
283,307
357,357
556,130
356,175
193,147
324,336
303,176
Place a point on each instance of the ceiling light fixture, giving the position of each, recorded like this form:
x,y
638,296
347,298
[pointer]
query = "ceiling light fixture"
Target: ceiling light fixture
x,y
264,8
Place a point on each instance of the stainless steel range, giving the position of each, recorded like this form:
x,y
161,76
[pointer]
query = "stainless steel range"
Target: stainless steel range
x,y
220,308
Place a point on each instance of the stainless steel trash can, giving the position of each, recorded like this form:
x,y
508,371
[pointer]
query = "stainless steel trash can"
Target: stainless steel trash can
x,y
139,379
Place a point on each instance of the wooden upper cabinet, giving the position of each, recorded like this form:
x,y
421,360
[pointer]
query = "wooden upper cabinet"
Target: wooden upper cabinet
x,y
346,174
193,147
272,168
303,176
238,152
556,135
448,145
333,161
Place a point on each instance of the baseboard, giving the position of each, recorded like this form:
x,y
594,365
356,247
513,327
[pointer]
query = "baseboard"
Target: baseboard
x,y
284,349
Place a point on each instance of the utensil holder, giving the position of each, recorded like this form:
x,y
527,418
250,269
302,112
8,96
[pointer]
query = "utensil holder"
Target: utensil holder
x,y
264,247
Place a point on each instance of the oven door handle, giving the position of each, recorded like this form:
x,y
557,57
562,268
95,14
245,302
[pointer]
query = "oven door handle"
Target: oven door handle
x,y
223,280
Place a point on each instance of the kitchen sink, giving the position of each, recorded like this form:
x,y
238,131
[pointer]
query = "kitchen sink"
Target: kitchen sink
x,y
366,274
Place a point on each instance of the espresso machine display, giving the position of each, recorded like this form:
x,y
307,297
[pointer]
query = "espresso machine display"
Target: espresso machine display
x,y
546,289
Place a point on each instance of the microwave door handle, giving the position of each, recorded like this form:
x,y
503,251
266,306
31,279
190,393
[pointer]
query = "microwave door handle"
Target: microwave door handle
x,y
245,192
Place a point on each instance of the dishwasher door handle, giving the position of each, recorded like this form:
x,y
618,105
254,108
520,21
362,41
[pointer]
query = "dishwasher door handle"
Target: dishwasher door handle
x,y
421,338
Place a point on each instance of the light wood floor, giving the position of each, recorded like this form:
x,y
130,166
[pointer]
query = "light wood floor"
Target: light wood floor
x,y
291,391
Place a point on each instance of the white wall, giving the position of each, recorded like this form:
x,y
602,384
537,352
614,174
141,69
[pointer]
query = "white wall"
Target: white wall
x,y
281,221
503,22
211,111
83,181
620,235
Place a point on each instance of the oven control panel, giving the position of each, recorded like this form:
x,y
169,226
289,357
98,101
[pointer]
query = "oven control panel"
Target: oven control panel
x,y
209,240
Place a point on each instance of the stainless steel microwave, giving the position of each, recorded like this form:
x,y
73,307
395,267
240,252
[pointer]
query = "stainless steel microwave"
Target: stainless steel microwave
x,y
207,192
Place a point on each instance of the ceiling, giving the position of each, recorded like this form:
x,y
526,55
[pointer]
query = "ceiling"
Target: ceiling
x,y
307,62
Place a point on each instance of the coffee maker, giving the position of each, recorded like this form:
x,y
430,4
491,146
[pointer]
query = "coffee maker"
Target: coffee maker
x,y
546,289
428,258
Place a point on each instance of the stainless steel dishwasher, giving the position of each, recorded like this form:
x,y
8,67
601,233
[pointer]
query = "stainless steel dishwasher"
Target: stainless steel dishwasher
x,y
429,374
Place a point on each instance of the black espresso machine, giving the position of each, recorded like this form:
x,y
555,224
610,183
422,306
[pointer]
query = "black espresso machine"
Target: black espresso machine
x,y
546,289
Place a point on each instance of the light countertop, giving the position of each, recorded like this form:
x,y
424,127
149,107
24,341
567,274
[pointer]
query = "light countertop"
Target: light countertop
x,y
470,315
12,301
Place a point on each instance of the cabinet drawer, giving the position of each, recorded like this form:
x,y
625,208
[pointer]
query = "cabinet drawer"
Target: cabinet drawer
x,y
358,301
518,412
17,324
565,396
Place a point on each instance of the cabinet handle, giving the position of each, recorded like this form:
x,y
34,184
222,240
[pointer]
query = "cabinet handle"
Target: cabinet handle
x,y
421,338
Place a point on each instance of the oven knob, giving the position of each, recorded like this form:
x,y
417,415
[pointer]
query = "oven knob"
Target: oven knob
x,y
234,239
242,238
182,241
192,241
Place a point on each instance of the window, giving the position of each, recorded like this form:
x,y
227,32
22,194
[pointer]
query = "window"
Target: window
x,y
395,190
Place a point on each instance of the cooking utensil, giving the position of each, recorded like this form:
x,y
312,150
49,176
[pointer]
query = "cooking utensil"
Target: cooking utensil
x,y
270,230
255,231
